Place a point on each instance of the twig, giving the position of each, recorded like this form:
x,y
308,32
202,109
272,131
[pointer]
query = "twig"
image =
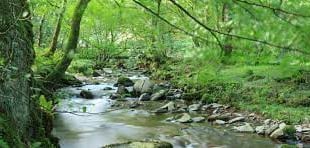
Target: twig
x,y
271,8
234,35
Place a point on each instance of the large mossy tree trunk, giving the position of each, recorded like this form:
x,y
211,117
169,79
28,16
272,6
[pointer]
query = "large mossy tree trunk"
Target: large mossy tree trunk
x,y
16,58
72,43
57,30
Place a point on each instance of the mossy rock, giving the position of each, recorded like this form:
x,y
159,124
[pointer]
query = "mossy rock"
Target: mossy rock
x,y
124,81
141,144
86,94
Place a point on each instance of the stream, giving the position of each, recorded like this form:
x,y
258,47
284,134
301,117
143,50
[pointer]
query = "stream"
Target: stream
x,y
97,127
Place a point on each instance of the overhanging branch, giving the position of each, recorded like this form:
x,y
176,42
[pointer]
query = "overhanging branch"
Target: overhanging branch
x,y
234,35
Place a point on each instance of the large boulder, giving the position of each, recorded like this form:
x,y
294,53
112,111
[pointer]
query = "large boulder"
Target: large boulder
x,y
143,86
86,94
141,144
124,81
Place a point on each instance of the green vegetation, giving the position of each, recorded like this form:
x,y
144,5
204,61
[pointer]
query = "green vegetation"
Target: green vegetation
x,y
251,54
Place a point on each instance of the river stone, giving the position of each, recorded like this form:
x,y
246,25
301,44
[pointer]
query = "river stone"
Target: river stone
x,y
194,107
237,119
115,96
267,121
169,107
122,90
145,97
107,88
271,128
141,144
199,119
219,122
158,95
186,118
124,81
305,138
278,133
246,128
86,94
143,86
260,130
96,74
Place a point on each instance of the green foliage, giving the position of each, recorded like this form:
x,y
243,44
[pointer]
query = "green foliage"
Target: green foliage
x,y
290,131
36,145
45,105
81,66
4,144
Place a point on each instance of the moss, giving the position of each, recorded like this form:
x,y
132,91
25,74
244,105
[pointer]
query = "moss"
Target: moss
x,y
124,81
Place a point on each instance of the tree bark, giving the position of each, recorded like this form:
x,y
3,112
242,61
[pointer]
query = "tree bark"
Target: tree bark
x,y
57,30
40,35
228,48
16,58
71,45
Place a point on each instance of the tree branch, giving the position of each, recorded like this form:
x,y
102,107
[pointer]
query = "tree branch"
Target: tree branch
x,y
174,26
234,35
271,8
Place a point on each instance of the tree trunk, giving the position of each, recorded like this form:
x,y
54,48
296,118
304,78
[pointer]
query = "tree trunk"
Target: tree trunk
x,y
71,46
54,42
40,36
228,48
16,58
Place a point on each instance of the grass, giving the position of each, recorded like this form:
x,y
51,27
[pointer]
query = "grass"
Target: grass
x,y
278,91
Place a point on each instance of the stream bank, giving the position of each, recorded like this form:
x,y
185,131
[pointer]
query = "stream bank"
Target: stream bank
x,y
105,120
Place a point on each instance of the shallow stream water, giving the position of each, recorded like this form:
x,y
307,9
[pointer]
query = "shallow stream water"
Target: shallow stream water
x,y
97,128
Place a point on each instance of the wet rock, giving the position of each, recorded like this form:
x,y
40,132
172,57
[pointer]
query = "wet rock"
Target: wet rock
x,y
141,144
211,106
194,107
267,122
122,90
143,86
124,81
246,128
186,118
237,119
86,94
134,104
170,119
96,74
271,128
115,96
305,138
107,88
169,107
174,94
219,122
199,119
107,70
260,130
145,97
278,133
158,95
